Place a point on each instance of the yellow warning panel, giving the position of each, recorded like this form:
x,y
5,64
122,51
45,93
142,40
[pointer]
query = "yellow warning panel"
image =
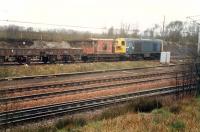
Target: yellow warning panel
x,y
120,46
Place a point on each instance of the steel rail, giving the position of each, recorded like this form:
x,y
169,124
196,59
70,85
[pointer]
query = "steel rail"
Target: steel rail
x,y
81,73
36,113
79,83
76,90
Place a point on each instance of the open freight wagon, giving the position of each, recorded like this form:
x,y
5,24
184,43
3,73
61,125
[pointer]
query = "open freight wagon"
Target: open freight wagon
x,y
43,55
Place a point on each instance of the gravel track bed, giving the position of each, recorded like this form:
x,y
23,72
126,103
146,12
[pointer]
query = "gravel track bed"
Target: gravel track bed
x,y
51,80
81,87
80,96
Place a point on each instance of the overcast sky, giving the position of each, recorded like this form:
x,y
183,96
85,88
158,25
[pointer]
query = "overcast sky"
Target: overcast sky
x,y
98,13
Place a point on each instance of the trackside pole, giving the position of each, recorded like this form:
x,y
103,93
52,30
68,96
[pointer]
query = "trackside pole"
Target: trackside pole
x,y
198,49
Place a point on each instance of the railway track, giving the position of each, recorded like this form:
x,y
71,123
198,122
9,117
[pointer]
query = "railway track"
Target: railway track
x,y
14,117
48,111
83,86
36,63
79,83
81,73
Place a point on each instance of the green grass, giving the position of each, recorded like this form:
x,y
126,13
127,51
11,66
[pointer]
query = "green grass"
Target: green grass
x,y
16,71
177,125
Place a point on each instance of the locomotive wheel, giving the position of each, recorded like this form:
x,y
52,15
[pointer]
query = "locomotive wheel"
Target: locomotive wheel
x,y
45,60
52,59
21,59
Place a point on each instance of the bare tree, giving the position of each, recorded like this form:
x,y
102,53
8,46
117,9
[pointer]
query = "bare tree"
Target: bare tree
x,y
111,32
174,31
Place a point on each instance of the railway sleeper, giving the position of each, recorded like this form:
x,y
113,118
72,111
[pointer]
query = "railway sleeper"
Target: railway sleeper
x,y
90,82
66,109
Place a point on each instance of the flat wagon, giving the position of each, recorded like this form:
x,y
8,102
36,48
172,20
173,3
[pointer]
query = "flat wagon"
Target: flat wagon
x,y
45,55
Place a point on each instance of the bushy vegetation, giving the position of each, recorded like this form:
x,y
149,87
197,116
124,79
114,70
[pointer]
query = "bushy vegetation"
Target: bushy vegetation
x,y
183,116
175,108
175,31
14,32
178,125
74,123
70,122
143,105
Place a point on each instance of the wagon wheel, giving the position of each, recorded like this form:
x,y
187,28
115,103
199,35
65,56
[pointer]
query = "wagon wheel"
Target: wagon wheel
x,y
72,59
28,60
84,59
21,59
52,59
45,60
2,59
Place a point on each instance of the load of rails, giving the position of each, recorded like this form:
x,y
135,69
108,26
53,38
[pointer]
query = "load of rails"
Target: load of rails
x,y
89,50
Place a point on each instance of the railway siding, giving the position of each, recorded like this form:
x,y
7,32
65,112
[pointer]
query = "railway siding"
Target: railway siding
x,y
36,113
82,82
77,73
105,91
87,88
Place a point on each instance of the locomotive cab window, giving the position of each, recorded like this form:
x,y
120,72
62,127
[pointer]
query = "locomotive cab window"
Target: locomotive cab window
x,y
123,43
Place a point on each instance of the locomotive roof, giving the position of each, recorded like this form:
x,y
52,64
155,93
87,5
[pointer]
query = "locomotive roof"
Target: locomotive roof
x,y
143,39
90,39
100,39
